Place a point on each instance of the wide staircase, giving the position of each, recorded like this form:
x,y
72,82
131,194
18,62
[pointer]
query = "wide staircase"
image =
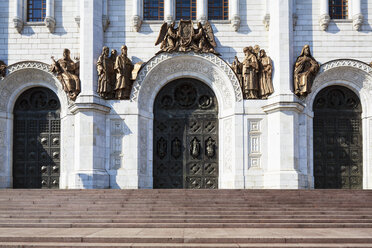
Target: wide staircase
x,y
185,218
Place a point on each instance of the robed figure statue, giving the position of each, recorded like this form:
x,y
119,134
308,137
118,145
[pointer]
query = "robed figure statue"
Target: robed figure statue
x,y
265,78
123,67
250,74
106,74
305,70
68,74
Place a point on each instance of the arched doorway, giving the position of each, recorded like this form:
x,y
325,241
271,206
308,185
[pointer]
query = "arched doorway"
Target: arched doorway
x,y
338,160
185,136
36,139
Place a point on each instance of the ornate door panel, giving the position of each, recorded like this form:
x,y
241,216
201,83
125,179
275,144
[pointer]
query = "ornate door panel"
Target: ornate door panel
x,y
36,143
186,136
337,139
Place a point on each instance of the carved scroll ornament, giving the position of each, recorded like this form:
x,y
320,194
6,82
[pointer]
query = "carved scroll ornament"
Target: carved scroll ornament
x,y
116,74
185,38
2,68
305,70
254,73
68,74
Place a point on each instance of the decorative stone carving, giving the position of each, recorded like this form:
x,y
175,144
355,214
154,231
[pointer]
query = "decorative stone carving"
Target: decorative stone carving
x,y
324,21
18,24
254,73
235,22
77,20
123,68
305,70
50,23
185,38
68,74
154,69
136,23
2,69
294,18
357,21
210,146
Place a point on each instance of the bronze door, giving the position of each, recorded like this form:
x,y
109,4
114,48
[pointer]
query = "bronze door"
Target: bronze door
x,y
186,136
338,162
36,142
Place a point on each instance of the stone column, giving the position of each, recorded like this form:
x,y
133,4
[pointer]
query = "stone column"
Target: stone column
x,y
266,19
89,110
357,14
169,11
18,15
235,16
136,17
202,11
324,18
283,108
50,22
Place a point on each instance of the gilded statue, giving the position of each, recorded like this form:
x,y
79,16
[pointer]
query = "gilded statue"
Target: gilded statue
x,y
254,73
68,74
123,68
2,68
250,69
185,38
116,74
106,74
305,70
265,75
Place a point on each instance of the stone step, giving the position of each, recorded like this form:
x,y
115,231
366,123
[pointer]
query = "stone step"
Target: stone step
x,y
186,225
162,245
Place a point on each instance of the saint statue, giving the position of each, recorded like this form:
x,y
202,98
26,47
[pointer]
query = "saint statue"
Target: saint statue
x,y
195,148
250,74
265,83
305,70
68,74
123,67
106,74
209,147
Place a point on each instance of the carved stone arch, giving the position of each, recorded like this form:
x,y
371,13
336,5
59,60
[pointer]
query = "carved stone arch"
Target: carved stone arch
x,y
352,74
208,68
21,77
356,76
215,73
25,75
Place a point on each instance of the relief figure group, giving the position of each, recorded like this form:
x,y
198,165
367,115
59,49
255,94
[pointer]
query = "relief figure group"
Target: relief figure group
x,y
254,73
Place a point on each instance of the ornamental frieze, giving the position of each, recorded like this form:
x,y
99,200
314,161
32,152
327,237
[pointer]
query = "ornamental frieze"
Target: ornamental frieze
x,y
185,38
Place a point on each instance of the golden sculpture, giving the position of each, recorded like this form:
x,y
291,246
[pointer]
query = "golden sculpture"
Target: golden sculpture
x,y
254,73
116,74
185,38
106,74
123,67
265,76
2,68
305,70
68,74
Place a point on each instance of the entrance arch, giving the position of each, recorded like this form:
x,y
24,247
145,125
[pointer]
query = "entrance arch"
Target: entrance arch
x,y
36,139
338,144
219,77
185,136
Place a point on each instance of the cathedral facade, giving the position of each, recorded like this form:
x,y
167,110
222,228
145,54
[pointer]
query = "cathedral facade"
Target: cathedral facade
x,y
230,94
